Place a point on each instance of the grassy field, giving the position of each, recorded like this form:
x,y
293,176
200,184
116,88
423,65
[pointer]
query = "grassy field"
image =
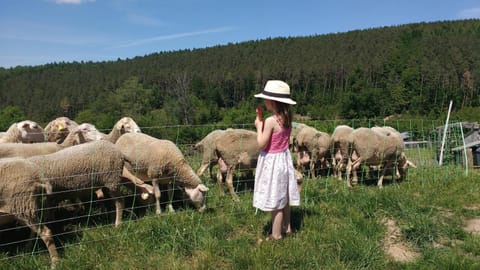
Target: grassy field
x,y
335,228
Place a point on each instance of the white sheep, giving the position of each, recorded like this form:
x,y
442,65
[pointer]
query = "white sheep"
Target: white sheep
x,y
124,125
239,149
375,147
209,155
79,171
81,134
340,149
312,147
296,127
161,162
22,191
26,131
402,163
57,130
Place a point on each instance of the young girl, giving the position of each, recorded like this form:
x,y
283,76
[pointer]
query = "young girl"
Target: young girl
x,y
275,187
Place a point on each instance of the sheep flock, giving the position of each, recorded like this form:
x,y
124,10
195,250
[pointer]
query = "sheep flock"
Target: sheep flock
x,y
48,174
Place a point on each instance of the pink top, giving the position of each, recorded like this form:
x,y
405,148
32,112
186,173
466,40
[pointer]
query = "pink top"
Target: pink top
x,y
279,140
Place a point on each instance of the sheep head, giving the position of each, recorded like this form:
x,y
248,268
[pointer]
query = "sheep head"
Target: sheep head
x,y
58,129
127,125
197,196
86,133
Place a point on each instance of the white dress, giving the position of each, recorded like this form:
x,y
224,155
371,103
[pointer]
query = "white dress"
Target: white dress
x,y
275,183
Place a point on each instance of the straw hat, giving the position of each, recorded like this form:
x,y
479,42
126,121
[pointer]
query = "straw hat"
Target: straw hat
x,y
278,91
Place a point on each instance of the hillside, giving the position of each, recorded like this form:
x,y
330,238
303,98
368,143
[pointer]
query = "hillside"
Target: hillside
x,y
415,68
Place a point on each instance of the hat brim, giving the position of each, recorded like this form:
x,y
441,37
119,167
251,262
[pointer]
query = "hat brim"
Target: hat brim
x,y
279,99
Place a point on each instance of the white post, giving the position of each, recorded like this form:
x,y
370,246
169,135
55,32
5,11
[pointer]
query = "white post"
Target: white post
x,y
440,160
464,150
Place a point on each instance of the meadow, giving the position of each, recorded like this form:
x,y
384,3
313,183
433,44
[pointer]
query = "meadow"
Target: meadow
x,y
415,224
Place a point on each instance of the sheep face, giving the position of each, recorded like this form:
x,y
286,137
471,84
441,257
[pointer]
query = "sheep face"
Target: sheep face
x,y
30,132
89,133
197,196
58,129
127,125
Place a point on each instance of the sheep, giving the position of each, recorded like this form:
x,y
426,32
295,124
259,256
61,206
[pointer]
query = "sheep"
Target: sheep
x,y
23,132
77,171
161,162
374,147
340,149
402,163
22,190
124,125
57,130
209,156
296,127
82,133
239,149
313,146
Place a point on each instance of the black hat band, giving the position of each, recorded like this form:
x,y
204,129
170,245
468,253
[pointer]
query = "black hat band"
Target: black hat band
x,y
275,94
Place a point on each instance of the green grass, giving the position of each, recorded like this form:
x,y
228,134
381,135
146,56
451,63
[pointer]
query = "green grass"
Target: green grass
x,y
336,228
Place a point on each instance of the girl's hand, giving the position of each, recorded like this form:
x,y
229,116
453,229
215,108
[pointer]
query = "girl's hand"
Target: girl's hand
x,y
259,112
259,118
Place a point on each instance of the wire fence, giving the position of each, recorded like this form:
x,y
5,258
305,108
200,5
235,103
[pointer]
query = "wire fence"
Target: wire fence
x,y
26,207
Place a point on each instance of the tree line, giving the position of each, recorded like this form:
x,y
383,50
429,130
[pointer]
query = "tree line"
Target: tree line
x,y
411,70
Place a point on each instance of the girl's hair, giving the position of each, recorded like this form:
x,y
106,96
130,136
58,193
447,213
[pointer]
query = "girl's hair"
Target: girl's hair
x,y
283,109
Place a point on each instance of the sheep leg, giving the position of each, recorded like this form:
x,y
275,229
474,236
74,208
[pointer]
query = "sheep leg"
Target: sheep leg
x,y
137,181
312,169
229,181
340,166
380,179
170,192
118,201
352,167
348,171
220,182
47,237
156,192
334,166
202,169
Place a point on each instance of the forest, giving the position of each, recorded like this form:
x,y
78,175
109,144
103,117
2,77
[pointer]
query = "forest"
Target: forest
x,y
404,71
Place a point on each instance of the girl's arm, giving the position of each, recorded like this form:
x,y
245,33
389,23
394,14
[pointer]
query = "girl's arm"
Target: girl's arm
x,y
263,134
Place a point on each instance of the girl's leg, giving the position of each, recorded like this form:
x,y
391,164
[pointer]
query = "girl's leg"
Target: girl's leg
x,y
286,226
277,222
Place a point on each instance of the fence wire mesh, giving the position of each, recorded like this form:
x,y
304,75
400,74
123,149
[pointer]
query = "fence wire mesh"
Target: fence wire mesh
x,y
77,211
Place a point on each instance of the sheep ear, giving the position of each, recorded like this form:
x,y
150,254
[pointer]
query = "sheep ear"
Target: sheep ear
x,y
202,188
411,164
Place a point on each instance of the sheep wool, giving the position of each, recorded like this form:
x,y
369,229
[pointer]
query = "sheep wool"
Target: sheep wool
x,y
124,125
75,171
161,162
238,148
82,133
207,147
22,193
59,128
26,131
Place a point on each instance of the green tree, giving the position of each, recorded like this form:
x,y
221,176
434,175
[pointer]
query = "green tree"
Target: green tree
x,y
10,115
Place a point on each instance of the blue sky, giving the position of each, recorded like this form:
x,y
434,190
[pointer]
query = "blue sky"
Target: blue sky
x,y
37,32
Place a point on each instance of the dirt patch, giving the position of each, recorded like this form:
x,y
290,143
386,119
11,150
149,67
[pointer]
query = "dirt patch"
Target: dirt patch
x,y
472,226
395,246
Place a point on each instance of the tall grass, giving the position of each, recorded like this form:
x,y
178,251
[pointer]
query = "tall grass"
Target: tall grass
x,y
335,228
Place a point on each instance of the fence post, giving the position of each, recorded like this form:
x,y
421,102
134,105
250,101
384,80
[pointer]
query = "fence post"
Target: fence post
x,y
440,160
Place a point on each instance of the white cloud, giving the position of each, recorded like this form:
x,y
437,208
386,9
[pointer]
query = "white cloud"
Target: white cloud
x,y
470,13
75,2
170,37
